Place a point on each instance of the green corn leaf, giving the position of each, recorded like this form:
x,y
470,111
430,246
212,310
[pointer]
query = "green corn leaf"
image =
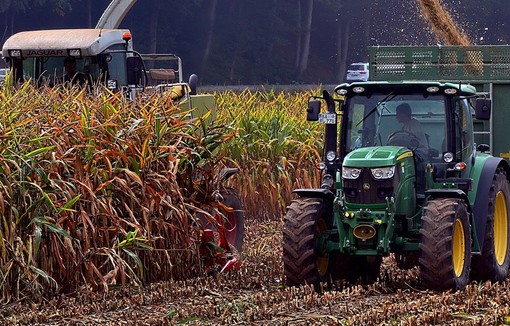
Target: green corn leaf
x,y
39,151
136,259
38,237
45,276
69,204
52,227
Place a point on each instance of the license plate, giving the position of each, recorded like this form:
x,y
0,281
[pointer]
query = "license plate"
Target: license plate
x,y
327,118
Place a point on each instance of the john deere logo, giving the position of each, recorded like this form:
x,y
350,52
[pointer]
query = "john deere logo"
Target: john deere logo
x,y
366,186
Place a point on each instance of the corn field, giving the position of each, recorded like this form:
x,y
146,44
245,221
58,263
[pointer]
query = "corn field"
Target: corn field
x,y
274,147
99,199
97,191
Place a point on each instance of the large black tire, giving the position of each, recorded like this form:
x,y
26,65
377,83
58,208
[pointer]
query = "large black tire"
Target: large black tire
x,y
305,221
445,245
494,262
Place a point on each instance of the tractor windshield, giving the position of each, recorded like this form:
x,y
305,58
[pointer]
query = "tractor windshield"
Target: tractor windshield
x,y
417,121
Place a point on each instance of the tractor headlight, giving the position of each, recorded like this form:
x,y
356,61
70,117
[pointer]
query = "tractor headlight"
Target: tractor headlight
x,y
383,173
330,156
350,173
448,157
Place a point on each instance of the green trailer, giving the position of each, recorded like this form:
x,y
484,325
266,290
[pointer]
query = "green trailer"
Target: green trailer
x,y
415,165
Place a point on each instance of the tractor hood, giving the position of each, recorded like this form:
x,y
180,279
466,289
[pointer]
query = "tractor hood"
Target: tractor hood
x,y
376,156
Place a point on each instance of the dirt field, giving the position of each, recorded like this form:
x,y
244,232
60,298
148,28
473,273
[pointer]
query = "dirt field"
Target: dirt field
x,y
256,295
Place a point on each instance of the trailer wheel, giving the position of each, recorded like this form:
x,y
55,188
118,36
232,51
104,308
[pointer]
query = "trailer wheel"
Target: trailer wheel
x,y
303,261
445,245
494,262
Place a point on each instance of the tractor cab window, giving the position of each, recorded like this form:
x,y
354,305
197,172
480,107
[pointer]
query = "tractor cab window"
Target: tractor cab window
x,y
375,121
463,130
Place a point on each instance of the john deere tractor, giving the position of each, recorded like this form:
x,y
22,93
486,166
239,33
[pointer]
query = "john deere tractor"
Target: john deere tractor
x,y
443,207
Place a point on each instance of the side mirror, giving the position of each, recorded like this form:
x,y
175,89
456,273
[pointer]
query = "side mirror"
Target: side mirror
x,y
134,67
193,83
483,109
312,112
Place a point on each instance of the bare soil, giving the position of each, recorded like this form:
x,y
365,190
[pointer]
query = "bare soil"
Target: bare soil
x,y
256,295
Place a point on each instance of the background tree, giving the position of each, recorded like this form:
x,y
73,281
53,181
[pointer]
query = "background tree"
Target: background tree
x,y
271,41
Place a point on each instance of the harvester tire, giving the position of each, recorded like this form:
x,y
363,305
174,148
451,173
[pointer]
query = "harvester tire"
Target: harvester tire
x,y
303,262
494,262
445,245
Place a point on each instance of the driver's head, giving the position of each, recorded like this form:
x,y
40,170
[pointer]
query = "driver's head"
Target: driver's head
x,y
70,64
403,112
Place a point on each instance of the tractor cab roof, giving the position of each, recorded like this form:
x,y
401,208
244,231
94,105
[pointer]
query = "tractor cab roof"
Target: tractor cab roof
x,y
60,41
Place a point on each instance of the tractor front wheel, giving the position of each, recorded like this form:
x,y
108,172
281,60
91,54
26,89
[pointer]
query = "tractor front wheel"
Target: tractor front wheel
x,y
445,245
494,262
303,261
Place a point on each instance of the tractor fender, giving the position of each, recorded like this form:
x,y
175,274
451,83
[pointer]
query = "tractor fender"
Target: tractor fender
x,y
482,184
449,193
315,193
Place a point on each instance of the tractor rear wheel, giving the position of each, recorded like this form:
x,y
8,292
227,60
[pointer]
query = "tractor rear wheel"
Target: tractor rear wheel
x,y
303,262
494,262
445,245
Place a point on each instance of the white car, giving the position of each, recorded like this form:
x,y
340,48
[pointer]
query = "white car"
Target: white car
x,y
358,71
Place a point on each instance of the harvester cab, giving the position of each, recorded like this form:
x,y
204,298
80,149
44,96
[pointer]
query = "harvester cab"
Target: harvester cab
x,y
403,175
106,57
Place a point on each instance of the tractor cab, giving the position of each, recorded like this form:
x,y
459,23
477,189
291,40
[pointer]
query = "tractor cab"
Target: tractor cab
x,y
431,123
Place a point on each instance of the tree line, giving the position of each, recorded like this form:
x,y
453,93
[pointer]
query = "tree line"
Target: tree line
x,y
269,41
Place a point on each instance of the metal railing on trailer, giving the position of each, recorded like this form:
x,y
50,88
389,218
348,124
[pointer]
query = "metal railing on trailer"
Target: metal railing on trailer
x,y
476,64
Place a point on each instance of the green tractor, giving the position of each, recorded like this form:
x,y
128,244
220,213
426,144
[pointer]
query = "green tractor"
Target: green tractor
x,y
429,194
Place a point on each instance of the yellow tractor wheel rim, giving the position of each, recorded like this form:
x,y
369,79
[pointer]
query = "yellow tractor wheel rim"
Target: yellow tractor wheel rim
x,y
500,228
322,259
459,248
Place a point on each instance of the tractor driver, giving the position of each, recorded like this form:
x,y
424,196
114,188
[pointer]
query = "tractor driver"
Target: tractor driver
x,y
420,149
71,75
412,126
